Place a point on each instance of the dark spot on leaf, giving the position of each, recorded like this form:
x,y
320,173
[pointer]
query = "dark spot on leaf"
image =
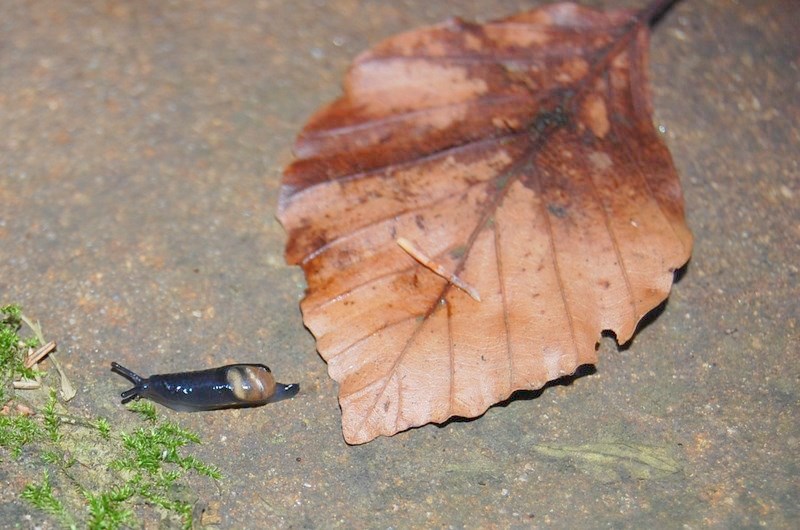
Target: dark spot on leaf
x,y
557,210
549,119
458,252
501,181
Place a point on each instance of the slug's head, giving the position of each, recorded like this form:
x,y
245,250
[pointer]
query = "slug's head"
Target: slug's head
x,y
140,384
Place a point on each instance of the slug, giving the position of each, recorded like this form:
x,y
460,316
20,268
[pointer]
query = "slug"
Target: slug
x,y
234,385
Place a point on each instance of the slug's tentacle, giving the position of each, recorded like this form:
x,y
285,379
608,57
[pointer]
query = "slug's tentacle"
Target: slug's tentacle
x,y
133,377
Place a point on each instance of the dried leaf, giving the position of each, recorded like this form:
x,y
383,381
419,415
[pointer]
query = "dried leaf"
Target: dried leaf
x,y
517,156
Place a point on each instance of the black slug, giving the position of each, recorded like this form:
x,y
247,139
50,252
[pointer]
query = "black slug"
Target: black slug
x,y
234,385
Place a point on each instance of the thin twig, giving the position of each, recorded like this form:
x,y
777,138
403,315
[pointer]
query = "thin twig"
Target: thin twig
x,y
67,390
39,354
436,267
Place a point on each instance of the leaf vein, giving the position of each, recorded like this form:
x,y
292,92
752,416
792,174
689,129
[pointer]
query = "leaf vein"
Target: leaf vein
x,y
399,117
504,302
554,259
612,235
371,334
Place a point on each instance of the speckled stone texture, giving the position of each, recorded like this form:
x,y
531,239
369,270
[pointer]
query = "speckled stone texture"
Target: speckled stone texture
x,y
141,145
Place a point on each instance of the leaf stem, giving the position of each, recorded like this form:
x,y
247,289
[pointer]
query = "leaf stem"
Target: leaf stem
x,y
654,11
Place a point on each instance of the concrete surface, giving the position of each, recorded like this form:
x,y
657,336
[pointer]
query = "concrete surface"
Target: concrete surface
x,y
141,145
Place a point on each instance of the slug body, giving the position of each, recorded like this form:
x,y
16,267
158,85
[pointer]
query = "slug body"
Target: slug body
x,y
234,385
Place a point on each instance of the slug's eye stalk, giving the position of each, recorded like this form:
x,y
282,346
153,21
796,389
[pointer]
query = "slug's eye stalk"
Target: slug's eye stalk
x,y
133,377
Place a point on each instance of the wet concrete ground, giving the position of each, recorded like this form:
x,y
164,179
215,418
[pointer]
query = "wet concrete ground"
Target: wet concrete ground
x,y
141,145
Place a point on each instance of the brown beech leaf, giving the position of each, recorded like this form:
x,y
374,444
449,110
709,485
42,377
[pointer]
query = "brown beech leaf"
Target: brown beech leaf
x,y
516,157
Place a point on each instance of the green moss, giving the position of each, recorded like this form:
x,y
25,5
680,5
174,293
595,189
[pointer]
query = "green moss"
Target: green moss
x,y
51,420
145,408
108,509
104,428
12,312
51,457
121,473
41,496
18,431
13,349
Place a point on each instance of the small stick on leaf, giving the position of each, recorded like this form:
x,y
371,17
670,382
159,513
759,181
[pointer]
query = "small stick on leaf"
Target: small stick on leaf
x,y
436,267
